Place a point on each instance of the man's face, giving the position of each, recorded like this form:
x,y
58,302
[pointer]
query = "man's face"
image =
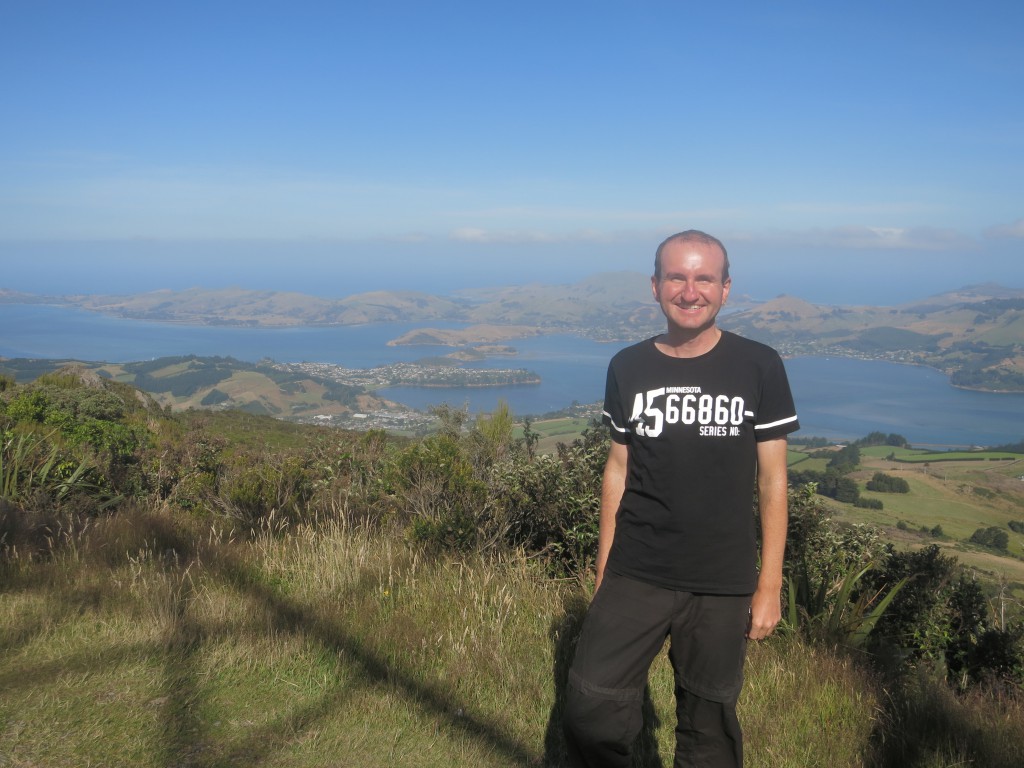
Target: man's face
x,y
690,289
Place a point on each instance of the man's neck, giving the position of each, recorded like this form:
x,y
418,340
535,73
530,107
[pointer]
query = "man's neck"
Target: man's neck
x,y
678,343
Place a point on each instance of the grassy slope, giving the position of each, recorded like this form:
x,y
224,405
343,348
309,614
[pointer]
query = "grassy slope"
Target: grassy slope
x,y
958,495
153,641
246,389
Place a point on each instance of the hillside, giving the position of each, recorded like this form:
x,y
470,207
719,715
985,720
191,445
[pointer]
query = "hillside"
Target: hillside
x,y
260,309
975,335
225,589
317,393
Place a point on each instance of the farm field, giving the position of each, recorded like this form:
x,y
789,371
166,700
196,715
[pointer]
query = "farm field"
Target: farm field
x,y
958,492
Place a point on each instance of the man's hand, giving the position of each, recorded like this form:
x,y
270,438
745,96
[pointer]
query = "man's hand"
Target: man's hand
x,y
765,614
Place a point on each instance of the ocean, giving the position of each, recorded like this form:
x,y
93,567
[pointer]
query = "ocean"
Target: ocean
x,y
837,398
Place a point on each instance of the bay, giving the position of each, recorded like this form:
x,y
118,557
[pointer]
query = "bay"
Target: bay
x,y
837,398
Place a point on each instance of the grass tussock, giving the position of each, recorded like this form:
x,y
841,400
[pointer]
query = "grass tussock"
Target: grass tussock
x,y
146,642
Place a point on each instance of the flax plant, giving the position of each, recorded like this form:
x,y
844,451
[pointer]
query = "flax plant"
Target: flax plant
x,y
31,462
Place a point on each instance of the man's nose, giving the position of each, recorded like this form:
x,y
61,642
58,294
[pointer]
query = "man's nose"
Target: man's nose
x,y
689,290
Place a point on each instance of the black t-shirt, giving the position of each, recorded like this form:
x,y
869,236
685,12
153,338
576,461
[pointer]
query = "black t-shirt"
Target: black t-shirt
x,y
692,425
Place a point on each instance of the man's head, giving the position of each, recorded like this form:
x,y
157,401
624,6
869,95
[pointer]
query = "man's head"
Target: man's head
x,y
691,283
691,236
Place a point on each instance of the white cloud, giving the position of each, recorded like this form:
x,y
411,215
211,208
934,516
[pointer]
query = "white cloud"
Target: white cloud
x,y
525,237
859,237
1011,231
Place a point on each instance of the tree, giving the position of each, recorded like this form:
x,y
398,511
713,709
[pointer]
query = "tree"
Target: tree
x,y
884,483
845,459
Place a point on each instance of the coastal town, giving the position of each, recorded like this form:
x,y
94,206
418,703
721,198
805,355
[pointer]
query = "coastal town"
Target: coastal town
x,y
415,375
395,417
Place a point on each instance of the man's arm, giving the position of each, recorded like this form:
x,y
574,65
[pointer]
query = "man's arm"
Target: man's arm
x,y
772,492
612,487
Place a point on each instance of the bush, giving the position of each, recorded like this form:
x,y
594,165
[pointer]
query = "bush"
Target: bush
x,y
551,504
998,657
922,620
845,459
824,566
830,483
991,537
443,499
884,483
256,493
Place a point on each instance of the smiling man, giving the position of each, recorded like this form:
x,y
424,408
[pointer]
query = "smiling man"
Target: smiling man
x,y
698,417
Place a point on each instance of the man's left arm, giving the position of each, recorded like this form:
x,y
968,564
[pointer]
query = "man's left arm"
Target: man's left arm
x,y
772,492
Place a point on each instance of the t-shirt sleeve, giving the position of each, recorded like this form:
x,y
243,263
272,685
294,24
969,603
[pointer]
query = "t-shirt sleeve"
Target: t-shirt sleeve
x,y
776,416
613,415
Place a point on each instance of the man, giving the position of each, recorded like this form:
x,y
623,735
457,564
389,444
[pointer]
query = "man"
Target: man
x,y
697,416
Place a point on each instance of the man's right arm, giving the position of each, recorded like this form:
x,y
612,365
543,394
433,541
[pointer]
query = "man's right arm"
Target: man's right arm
x,y
612,487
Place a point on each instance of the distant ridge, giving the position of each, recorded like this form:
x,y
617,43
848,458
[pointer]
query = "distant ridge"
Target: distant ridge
x,y
973,334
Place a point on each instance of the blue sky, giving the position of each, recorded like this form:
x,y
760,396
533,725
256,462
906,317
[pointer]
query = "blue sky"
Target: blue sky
x,y
868,152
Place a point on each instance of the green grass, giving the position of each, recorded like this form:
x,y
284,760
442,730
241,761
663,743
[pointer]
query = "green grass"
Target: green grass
x,y
149,643
551,432
920,455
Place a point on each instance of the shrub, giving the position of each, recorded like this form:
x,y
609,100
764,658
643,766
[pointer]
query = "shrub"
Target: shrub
x,y
991,537
830,483
270,492
845,459
998,657
825,568
443,499
551,504
884,483
868,503
918,622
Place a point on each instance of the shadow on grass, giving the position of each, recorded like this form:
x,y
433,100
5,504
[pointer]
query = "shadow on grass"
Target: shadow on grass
x,y
185,738
933,730
565,631
290,617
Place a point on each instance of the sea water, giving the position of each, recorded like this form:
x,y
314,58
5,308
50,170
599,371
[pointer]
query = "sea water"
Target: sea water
x,y
837,398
